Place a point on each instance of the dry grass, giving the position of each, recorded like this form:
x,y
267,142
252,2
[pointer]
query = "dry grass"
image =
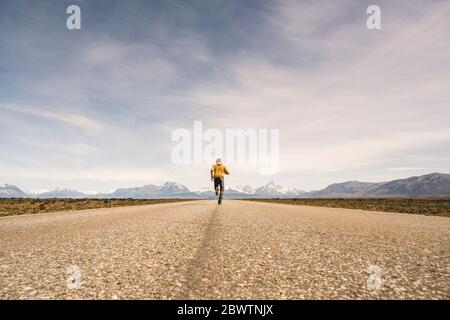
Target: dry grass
x,y
430,207
10,207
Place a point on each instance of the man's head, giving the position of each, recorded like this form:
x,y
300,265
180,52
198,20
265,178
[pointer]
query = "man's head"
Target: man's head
x,y
219,161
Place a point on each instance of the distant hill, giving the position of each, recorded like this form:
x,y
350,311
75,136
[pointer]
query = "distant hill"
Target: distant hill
x,y
434,184
345,189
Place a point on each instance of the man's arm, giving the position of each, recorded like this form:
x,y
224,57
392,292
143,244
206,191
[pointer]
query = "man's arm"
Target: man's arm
x,y
225,170
212,172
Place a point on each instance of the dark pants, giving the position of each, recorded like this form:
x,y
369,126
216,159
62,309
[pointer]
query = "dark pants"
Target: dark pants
x,y
219,183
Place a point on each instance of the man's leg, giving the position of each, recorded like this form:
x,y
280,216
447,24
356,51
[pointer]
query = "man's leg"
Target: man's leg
x,y
222,187
216,185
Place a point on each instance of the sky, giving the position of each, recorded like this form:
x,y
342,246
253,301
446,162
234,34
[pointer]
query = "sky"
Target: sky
x,y
94,109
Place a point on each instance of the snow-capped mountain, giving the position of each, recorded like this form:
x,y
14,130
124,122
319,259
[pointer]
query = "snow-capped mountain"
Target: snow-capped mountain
x,y
167,190
231,189
242,189
10,191
37,191
271,189
62,193
173,188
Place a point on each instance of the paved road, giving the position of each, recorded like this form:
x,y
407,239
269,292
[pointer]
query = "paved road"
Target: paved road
x,y
238,250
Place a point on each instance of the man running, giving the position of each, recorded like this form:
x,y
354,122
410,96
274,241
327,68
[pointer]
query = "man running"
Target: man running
x,y
218,171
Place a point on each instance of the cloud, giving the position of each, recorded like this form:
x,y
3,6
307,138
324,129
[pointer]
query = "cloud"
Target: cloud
x,y
344,98
76,120
366,97
357,153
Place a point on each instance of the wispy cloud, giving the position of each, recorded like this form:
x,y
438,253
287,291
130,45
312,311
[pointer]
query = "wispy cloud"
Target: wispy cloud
x,y
76,120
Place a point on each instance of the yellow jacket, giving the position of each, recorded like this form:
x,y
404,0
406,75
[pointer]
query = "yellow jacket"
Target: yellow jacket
x,y
218,171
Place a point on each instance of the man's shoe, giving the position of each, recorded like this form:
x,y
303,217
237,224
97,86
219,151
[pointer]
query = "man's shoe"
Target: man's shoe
x,y
217,191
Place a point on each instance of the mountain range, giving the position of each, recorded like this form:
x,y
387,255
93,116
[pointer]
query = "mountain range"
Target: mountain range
x,y
434,184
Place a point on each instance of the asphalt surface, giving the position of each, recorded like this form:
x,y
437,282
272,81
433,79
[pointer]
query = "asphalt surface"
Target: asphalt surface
x,y
240,250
